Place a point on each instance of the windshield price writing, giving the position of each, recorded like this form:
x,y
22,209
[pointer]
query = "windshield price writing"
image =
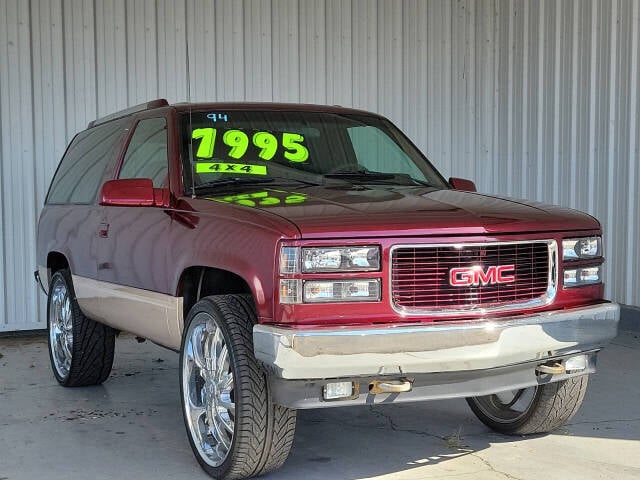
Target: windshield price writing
x,y
238,168
238,142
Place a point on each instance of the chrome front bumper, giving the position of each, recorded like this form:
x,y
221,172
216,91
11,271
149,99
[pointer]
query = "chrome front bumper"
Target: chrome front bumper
x,y
296,354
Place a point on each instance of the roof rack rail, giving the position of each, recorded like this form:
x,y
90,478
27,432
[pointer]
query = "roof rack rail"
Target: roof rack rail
x,y
160,102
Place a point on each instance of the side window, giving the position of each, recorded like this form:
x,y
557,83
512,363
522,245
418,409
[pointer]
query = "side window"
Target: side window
x,y
80,172
377,152
146,155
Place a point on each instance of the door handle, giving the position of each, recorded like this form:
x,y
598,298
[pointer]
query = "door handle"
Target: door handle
x,y
103,230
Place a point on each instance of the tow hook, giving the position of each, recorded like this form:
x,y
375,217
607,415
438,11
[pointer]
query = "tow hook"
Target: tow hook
x,y
552,369
390,386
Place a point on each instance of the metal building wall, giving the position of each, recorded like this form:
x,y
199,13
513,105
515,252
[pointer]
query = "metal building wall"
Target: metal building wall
x,y
535,99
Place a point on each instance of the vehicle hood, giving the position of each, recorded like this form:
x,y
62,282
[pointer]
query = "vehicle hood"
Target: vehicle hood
x,y
358,211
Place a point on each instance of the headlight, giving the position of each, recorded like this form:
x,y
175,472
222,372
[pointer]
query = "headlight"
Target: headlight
x,y
317,291
340,259
581,248
577,277
298,284
290,290
289,260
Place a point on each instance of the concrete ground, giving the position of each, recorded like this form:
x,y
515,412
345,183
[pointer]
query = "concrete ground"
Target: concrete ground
x,y
131,427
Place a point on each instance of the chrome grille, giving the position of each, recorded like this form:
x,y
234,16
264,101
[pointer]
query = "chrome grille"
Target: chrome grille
x,y
420,276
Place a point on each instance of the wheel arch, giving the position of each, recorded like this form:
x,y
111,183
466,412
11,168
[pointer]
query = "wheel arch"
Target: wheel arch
x,y
56,261
200,281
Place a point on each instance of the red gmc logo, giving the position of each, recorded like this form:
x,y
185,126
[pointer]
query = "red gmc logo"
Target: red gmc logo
x,y
475,276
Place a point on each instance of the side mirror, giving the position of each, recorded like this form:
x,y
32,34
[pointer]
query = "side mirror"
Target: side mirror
x,y
131,192
462,184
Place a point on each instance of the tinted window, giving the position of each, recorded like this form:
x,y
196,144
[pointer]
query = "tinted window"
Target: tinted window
x,y
274,146
80,173
146,155
378,152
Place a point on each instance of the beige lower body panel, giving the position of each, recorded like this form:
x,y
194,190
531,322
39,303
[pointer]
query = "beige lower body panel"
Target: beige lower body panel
x,y
154,316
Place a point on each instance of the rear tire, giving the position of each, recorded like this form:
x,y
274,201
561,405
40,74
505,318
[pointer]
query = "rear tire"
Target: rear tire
x,y
234,429
80,350
539,409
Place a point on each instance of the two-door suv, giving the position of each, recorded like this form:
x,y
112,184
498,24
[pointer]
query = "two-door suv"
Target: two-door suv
x,y
302,256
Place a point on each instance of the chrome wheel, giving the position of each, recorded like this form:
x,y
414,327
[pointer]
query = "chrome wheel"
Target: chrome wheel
x,y
60,327
208,390
507,407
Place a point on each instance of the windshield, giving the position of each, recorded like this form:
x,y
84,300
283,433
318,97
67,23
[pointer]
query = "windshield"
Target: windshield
x,y
228,146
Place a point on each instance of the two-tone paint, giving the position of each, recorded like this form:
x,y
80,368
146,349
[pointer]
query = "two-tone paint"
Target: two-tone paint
x,y
129,263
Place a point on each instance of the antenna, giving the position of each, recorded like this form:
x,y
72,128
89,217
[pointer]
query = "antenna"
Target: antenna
x,y
192,173
186,39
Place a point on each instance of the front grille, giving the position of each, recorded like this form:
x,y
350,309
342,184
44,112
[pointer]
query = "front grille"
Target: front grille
x,y
420,276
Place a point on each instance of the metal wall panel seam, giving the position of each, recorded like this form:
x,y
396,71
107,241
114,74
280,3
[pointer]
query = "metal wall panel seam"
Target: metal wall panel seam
x,y
574,106
3,118
11,218
19,93
495,119
127,43
156,12
510,95
556,111
469,153
633,212
160,43
32,194
95,56
524,159
611,134
427,107
540,125
389,60
337,52
64,71
409,80
592,108
312,52
285,73
258,39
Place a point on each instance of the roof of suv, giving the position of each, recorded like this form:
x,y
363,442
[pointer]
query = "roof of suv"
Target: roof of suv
x,y
161,102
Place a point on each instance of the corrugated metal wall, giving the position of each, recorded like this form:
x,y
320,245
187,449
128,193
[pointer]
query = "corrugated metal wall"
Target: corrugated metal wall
x,y
535,99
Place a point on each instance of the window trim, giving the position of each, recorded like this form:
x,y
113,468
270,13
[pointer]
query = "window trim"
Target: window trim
x,y
125,146
114,160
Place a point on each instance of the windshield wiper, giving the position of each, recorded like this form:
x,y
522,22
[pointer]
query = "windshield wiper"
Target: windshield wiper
x,y
360,175
369,175
221,182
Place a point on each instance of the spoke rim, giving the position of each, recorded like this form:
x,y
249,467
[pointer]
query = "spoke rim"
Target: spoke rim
x,y
60,328
507,407
208,390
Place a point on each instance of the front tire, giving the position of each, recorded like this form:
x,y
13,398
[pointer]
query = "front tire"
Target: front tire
x,y
539,409
234,429
80,350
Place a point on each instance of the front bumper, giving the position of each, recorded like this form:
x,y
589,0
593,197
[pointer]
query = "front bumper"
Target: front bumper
x,y
340,352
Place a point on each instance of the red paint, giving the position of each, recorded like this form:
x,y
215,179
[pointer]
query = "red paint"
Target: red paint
x,y
149,245
462,184
129,192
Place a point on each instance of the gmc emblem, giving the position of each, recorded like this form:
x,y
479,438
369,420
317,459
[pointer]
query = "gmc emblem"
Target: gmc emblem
x,y
476,276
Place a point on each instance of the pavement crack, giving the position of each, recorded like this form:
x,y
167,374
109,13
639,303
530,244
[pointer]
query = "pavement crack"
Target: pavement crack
x,y
448,440
631,347
488,464
394,426
596,422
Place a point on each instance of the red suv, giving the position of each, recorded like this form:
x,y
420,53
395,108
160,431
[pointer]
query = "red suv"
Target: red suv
x,y
302,256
